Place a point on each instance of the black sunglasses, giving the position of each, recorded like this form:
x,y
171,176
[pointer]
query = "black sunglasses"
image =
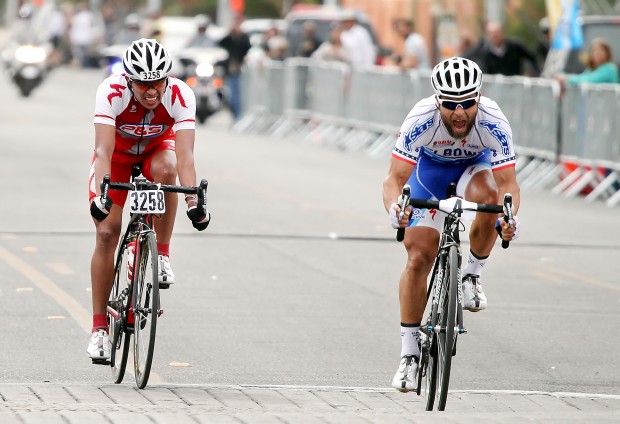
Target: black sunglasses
x,y
146,85
452,105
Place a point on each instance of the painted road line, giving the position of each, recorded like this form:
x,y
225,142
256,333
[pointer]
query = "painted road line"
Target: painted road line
x,y
47,286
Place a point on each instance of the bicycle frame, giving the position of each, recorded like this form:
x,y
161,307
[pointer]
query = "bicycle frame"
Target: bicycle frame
x,y
445,321
134,303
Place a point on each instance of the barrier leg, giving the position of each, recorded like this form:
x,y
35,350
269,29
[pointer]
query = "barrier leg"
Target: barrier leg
x,y
549,177
566,182
581,183
604,186
613,200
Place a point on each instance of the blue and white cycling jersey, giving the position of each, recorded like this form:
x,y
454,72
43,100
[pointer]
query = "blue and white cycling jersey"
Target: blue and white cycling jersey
x,y
423,128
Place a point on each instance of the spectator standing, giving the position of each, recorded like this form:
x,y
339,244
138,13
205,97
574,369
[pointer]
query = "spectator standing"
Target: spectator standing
x,y
310,41
358,42
237,44
505,56
601,68
332,49
415,54
83,34
202,38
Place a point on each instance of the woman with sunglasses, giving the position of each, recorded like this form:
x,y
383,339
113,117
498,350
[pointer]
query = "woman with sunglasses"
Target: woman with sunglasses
x,y
459,136
142,117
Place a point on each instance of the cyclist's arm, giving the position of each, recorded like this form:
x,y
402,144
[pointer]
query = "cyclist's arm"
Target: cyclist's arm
x,y
104,147
184,147
397,177
506,179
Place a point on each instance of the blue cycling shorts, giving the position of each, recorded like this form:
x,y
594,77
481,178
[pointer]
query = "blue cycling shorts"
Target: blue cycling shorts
x,y
430,180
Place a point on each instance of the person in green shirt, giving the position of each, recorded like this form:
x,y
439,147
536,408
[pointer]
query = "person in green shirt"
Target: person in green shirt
x,y
600,66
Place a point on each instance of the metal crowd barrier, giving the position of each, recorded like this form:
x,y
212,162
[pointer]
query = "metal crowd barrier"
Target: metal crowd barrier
x,y
566,144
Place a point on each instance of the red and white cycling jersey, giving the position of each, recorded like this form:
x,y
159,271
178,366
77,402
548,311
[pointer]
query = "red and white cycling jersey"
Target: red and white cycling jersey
x,y
140,130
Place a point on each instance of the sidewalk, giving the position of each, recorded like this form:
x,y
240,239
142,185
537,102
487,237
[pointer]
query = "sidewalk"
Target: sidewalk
x,y
76,404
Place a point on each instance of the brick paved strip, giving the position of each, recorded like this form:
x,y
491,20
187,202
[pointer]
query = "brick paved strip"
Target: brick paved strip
x,y
306,400
218,418
161,396
270,399
15,393
40,418
233,398
128,417
88,394
84,417
377,401
340,400
195,397
53,394
125,394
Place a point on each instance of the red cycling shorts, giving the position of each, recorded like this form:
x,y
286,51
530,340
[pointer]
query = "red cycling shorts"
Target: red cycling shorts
x,y
120,171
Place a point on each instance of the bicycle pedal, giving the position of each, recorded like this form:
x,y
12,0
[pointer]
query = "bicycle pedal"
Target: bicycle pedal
x,y
164,286
101,361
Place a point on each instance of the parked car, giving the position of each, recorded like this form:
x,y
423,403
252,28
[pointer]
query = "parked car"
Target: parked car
x,y
323,17
571,61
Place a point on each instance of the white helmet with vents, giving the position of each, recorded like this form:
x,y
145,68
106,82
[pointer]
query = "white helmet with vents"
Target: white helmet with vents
x,y
456,77
146,60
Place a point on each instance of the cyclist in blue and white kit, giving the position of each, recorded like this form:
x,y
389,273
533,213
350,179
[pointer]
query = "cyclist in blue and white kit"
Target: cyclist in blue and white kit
x,y
459,136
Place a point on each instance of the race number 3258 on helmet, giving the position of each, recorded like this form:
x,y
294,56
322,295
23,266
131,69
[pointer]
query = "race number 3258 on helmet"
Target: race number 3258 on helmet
x,y
456,77
147,60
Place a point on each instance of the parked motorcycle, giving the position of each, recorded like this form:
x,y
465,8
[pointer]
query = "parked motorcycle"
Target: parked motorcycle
x,y
204,74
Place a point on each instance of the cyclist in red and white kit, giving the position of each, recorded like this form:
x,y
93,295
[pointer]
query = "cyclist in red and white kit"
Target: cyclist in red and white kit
x,y
142,117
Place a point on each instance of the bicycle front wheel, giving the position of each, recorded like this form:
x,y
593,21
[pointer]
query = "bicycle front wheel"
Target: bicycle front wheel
x,y
118,310
146,307
447,336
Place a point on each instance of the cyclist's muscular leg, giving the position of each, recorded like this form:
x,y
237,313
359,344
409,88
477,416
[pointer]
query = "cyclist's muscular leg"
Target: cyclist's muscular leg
x,y
102,263
482,189
421,244
164,170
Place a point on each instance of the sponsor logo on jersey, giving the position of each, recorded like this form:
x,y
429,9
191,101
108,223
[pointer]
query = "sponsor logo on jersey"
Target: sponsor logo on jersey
x,y
443,143
133,108
176,92
117,91
137,130
499,134
417,130
463,142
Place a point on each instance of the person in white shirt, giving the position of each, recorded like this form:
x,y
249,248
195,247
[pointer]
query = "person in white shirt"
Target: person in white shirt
x,y
358,42
415,54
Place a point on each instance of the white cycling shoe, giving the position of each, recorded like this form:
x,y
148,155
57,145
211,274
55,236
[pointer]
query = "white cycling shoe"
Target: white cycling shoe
x,y
405,377
474,299
99,346
166,276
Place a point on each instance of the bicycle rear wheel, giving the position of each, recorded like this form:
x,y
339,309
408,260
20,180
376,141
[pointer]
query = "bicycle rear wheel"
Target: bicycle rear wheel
x,y
446,339
146,307
117,320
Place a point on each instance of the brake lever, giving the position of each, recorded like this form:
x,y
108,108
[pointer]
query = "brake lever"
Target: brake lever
x,y
507,216
405,195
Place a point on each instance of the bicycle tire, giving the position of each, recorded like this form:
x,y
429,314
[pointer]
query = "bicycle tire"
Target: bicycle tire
x,y
430,367
447,337
146,307
427,374
118,328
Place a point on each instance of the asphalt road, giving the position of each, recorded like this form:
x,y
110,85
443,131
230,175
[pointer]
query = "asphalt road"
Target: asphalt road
x,y
295,281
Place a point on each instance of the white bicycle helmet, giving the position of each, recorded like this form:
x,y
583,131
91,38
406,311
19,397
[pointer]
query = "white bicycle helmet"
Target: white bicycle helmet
x,y
146,60
456,77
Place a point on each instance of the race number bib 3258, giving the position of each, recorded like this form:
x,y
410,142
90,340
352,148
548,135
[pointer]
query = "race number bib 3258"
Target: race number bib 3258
x,y
147,201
